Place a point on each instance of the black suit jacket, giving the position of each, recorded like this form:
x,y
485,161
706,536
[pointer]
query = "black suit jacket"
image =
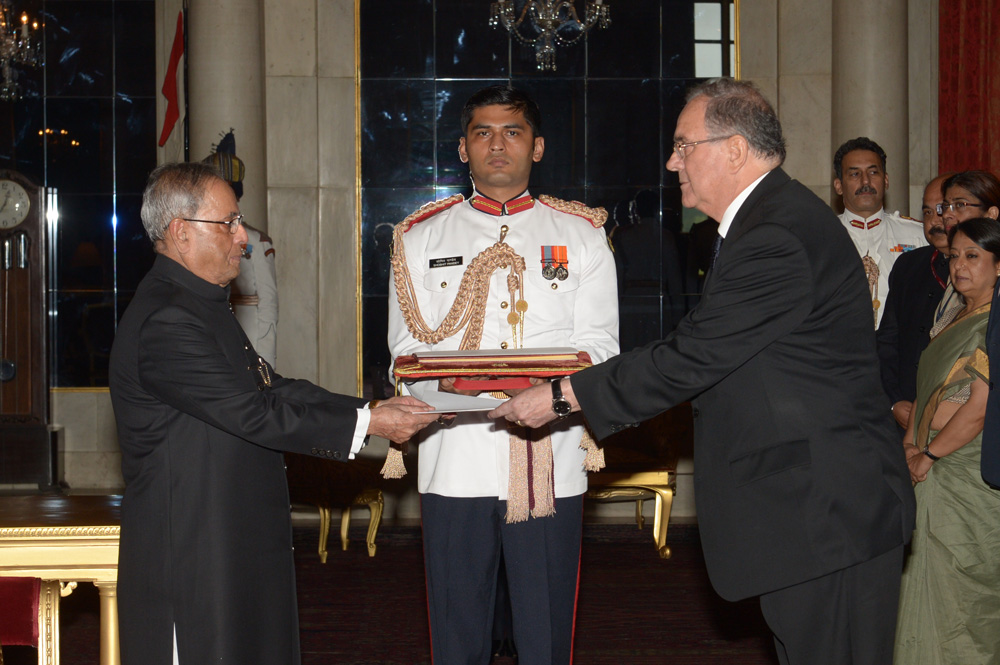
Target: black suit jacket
x,y
206,532
903,334
798,470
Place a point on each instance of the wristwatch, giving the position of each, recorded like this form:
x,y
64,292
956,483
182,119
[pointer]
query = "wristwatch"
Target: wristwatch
x,y
560,404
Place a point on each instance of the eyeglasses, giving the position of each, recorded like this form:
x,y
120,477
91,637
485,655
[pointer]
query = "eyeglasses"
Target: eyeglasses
x,y
233,223
957,206
684,149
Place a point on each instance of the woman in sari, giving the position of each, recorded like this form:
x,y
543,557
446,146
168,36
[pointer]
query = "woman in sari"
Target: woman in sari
x,y
949,610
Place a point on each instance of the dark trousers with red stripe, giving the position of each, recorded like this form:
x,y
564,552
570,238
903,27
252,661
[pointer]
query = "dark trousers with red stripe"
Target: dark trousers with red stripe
x,y
463,539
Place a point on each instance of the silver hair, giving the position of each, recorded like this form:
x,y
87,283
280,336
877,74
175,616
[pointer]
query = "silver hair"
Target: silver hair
x,y
738,108
174,190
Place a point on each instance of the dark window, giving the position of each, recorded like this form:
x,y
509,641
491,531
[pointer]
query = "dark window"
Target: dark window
x,y
86,128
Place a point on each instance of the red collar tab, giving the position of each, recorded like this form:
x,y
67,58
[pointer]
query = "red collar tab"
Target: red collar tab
x,y
491,207
859,224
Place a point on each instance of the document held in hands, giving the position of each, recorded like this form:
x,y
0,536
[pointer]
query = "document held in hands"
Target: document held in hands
x,y
454,403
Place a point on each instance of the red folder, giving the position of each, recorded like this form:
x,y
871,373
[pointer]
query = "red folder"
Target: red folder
x,y
491,369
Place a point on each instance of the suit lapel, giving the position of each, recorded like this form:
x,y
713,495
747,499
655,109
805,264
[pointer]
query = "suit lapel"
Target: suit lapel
x,y
745,218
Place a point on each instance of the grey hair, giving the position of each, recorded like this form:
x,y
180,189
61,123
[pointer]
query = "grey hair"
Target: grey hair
x,y
738,108
174,190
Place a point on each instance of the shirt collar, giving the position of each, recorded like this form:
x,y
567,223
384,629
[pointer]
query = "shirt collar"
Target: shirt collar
x,y
734,207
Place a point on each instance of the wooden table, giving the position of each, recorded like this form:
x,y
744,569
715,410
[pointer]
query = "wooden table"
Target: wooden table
x,y
64,540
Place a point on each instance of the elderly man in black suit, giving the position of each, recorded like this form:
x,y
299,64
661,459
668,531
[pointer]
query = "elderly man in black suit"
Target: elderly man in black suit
x,y
917,282
803,494
205,572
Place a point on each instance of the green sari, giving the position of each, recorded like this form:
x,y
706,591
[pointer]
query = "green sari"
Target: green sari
x,y
949,609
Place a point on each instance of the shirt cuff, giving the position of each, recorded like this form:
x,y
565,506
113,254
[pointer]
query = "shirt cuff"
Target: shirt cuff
x,y
360,431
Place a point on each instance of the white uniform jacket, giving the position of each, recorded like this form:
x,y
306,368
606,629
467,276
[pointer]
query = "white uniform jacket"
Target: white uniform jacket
x,y
884,236
255,295
470,457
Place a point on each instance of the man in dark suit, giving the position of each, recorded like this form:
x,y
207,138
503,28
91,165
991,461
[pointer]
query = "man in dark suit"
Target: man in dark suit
x,y
916,284
205,572
802,490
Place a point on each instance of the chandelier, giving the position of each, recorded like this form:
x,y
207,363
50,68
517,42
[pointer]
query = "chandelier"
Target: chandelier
x,y
545,23
17,48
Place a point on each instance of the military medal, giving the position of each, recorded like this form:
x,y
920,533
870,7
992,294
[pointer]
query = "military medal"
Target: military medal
x,y
554,262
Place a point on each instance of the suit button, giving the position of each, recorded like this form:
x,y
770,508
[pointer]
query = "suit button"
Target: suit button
x,y
444,285
923,328
260,386
503,305
314,451
503,345
695,413
336,454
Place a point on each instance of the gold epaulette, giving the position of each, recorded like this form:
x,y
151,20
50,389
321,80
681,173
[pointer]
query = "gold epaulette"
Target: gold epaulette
x,y
596,216
429,210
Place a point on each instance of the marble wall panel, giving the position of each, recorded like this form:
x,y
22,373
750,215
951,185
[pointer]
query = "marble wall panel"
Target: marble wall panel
x,y
289,37
759,39
804,103
294,229
74,411
338,346
292,135
337,153
335,27
91,470
922,40
804,37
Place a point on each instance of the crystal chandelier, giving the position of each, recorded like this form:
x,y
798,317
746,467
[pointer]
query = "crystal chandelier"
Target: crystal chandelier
x,y
17,48
548,22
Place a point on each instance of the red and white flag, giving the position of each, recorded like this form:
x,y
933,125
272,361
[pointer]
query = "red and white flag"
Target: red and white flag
x,y
170,87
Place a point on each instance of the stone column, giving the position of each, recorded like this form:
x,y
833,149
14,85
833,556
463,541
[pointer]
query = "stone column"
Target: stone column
x,y
226,90
870,89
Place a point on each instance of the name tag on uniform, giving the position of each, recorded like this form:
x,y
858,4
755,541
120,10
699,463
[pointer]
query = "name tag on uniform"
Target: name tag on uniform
x,y
446,263
900,248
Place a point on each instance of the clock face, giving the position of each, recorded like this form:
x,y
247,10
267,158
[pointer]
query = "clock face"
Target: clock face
x,y
14,204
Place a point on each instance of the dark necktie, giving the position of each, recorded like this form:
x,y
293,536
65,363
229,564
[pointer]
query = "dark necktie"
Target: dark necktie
x,y
716,246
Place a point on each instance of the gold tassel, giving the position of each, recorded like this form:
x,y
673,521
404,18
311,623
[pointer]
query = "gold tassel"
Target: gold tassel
x,y
394,467
543,482
542,493
517,485
594,461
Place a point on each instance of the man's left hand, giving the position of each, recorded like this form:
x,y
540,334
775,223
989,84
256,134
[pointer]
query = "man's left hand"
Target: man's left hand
x,y
533,407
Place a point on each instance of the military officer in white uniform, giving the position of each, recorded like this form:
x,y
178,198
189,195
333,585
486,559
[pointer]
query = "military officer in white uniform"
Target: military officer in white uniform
x,y
880,236
474,502
254,295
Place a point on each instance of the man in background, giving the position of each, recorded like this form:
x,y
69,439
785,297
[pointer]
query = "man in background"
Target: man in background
x,y
879,236
916,284
254,292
